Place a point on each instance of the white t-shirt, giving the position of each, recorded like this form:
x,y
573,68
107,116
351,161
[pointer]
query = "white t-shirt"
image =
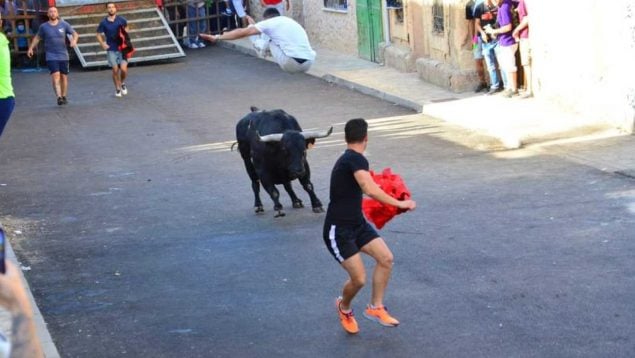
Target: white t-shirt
x,y
288,35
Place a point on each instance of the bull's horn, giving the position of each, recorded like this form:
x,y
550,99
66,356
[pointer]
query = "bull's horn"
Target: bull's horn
x,y
275,137
322,134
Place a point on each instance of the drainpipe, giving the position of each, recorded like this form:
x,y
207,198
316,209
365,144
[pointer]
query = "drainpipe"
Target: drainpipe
x,y
384,20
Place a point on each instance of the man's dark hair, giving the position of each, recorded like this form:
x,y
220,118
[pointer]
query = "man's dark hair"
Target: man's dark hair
x,y
271,12
111,2
355,130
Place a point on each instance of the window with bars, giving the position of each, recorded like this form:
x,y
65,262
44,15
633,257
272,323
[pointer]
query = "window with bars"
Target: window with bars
x,y
341,5
438,21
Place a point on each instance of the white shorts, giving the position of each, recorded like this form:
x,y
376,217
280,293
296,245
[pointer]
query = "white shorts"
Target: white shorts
x,y
506,57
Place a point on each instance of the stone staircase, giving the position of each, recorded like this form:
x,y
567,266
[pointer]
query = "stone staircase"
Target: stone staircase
x,y
149,32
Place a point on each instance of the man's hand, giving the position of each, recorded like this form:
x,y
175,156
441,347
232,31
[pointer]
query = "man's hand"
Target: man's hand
x,y
104,46
407,205
73,43
250,20
210,38
29,53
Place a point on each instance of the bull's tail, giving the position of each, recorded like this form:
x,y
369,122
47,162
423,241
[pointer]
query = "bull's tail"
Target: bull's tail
x,y
231,149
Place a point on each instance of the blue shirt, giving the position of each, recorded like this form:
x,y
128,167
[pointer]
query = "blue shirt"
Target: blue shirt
x,y
54,37
111,30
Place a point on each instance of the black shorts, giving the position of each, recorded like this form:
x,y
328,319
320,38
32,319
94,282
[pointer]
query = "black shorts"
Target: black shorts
x,y
345,241
58,66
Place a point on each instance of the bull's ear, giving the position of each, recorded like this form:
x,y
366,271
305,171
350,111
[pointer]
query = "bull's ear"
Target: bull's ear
x,y
310,143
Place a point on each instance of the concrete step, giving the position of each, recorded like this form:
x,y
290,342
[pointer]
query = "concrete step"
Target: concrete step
x,y
149,32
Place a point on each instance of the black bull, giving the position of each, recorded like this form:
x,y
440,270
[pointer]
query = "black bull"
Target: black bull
x,y
273,147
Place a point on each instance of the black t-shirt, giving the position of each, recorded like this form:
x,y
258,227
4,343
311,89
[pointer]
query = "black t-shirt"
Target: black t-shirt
x,y
486,14
345,206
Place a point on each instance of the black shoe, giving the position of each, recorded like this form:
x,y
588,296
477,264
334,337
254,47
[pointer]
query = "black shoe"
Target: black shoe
x,y
60,101
481,87
493,90
64,100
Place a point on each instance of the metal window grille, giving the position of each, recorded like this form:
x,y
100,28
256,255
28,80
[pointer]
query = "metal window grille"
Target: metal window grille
x,y
438,21
336,4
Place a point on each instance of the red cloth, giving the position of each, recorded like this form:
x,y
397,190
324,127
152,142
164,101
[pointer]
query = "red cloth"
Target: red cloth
x,y
378,213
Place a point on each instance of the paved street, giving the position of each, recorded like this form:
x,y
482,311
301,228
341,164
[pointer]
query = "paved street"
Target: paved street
x,y
137,223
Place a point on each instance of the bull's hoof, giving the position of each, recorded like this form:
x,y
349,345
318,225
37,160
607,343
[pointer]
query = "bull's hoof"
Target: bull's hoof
x,y
318,209
279,214
259,209
298,204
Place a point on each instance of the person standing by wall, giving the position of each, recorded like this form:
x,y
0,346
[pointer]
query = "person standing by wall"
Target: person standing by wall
x,y
477,43
7,98
196,23
521,35
507,46
109,27
347,234
485,17
54,33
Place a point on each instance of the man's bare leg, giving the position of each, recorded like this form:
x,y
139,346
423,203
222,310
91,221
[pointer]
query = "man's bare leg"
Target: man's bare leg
x,y
357,278
378,250
115,78
123,72
55,81
64,85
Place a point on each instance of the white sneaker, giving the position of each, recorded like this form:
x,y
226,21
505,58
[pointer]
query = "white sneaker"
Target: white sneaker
x,y
201,44
124,89
192,45
117,93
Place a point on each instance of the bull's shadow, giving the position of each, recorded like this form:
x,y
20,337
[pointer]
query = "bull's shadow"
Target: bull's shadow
x,y
273,147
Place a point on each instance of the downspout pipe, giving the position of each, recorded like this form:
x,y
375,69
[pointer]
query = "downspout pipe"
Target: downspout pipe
x,y
384,18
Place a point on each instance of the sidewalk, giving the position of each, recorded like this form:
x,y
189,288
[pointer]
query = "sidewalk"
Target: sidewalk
x,y
514,123
50,351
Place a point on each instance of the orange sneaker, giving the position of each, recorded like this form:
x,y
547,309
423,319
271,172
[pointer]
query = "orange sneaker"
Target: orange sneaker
x,y
346,319
381,316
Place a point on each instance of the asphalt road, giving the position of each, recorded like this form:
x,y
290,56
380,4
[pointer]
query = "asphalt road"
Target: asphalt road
x,y
137,223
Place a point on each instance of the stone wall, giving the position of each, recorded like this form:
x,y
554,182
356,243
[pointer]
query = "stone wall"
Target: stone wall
x,y
584,60
331,29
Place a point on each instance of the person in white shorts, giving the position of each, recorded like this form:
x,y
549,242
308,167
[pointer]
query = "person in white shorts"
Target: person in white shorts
x,y
284,38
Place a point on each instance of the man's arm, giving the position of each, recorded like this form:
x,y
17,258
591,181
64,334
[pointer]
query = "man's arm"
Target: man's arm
x,y
13,297
232,35
74,38
370,188
101,41
523,24
36,40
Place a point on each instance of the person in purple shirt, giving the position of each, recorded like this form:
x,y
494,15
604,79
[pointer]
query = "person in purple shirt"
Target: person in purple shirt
x,y
507,46
521,34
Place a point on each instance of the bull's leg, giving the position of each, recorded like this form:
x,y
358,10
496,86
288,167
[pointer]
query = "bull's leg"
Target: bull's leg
x,y
297,203
275,196
316,204
251,171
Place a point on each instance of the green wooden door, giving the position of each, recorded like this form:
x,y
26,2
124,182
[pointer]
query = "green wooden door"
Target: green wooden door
x,y
369,29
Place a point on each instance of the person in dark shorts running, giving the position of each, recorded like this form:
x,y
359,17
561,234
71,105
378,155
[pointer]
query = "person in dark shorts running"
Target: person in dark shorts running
x,y
347,233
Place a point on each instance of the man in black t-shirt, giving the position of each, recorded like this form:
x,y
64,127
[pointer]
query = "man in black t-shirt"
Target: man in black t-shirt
x,y
347,233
